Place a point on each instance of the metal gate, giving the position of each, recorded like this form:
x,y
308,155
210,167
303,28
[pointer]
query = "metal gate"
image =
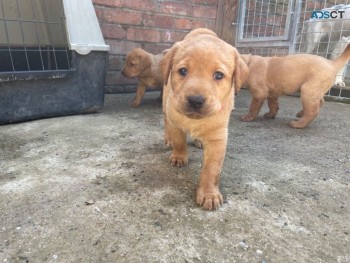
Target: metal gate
x,y
282,27
33,37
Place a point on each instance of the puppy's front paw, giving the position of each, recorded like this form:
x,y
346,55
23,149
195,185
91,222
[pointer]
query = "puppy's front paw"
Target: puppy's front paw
x,y
209,199
247,118
178,160
269,115
297,124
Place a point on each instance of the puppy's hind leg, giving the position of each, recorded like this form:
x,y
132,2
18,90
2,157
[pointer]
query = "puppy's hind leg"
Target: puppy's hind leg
x,y
273,105
301,113
311,109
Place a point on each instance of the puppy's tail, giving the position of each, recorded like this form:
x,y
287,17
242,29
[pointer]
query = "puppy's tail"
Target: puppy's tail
x,y
339,62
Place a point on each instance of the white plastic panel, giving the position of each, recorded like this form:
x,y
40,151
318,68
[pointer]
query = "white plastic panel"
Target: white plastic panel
x,y
83,29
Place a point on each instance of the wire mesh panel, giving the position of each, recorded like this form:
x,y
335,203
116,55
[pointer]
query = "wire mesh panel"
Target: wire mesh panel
x,y
33,36
281,27
323,28
264,27
264,20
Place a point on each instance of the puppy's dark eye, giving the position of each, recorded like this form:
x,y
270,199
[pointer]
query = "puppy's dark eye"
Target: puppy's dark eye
x,y
183,71
218,75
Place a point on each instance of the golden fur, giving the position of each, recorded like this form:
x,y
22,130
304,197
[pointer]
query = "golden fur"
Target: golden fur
x,y
200,81
145,67
271,77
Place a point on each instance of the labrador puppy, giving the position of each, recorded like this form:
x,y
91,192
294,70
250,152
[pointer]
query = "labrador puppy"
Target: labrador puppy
x,y
198,96
271,77
145,67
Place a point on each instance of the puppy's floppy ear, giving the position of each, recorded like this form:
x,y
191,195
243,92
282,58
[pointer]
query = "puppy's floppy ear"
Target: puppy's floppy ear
x,y
166,62
241,72
145,59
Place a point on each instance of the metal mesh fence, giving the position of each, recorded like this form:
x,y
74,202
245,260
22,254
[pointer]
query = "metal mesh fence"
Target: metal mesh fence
x,y
282,27
33,36
264,20
323,28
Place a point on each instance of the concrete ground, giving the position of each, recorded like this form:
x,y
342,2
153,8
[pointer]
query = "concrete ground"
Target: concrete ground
x,y
98,188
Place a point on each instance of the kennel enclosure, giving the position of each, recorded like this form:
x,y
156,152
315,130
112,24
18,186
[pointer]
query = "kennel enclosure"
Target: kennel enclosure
x,y
52,59
282,27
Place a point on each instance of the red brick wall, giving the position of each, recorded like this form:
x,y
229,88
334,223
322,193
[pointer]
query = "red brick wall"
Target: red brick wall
x,y
153,25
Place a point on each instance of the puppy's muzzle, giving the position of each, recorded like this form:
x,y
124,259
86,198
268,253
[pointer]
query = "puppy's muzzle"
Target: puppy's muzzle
x,y
126,74
195,102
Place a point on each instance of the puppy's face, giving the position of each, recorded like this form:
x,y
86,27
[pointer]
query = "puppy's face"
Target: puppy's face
x,y
202,73
136,62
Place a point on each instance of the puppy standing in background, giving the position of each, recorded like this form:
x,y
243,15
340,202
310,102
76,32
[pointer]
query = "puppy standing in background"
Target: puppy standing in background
x,y
271,77
201,76
144,66
335,31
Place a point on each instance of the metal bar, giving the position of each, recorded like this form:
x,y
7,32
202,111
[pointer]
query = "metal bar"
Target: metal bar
x,y
37,37
21,27
63,18
261,12
7,36
268,11
50,37
21,54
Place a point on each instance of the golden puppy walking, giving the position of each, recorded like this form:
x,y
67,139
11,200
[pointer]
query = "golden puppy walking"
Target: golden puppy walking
x,y
201,75
271,77
144,66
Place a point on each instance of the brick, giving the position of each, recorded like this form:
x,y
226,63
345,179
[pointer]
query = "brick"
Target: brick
x,y
158,20
144,5
171,36
156,48
313,5
177,8
143,34
206,2
183,23
116,62
116,78
210,24
118,16
207,12
113,31
103,2
118,47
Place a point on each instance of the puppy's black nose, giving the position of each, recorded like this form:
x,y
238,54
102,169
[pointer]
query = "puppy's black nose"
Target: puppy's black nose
x,y
195,102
